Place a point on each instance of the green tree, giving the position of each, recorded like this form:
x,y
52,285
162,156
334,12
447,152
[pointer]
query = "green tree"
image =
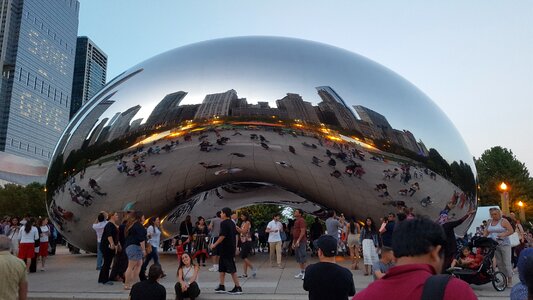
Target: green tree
x,y
498,165
262,213
16,200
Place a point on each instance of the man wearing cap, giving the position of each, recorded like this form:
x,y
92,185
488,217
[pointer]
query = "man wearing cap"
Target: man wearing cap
x,y
326,279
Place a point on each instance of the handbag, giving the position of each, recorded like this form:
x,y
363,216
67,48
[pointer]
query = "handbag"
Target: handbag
x,y
148,248
514,240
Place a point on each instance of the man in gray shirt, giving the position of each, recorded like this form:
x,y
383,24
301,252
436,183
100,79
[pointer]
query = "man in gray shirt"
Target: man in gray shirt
x,y
333,225
214,231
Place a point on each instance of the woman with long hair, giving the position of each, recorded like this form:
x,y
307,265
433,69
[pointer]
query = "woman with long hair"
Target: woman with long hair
x,y
201,239
187,285
246,244
28,235
44,236
135,247
153,233
369,240
354,231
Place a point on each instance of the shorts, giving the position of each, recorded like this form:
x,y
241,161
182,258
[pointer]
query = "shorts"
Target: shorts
x,y
134,252
227,265
246,248
26,250
43,249
214,251
300,253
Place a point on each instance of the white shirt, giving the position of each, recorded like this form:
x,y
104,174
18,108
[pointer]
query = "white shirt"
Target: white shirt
x,y
155,236
45,232
29,237
274,236
99,228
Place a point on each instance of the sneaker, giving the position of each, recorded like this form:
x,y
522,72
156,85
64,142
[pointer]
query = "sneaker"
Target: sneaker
x,y
243,276
214,268
220,289
299,275
235,291
254,272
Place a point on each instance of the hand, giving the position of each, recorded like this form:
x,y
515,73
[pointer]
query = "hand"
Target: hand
x,y
184,287
212,246
144,252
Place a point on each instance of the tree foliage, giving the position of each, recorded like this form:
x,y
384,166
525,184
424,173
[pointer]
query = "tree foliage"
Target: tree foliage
x,y
16,200
498,165
262,213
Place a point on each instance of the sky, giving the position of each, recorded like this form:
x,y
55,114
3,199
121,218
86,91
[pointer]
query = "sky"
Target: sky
x,y
473,58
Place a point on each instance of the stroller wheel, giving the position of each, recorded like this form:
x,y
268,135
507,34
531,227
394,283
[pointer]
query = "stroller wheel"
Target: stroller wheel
x,y
499,281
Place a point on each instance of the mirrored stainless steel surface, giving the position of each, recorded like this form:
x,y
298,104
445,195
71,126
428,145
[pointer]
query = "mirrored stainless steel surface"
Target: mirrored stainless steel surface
x,y
237,121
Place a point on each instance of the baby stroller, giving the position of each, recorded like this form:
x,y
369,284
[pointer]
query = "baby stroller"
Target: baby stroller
x,y
485,273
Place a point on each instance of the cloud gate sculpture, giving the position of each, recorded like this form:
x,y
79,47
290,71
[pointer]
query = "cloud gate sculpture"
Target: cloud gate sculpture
x,y
237,121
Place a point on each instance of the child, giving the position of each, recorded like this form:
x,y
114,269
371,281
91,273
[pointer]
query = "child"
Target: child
x,y
467,260
180,248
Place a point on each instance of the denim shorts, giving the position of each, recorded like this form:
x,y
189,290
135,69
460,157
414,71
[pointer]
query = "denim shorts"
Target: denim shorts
x,y
134,252
301,253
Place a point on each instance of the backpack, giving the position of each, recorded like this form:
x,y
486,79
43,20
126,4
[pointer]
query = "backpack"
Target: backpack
x,y
435,286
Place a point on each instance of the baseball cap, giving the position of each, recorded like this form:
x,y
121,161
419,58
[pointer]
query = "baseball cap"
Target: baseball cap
x,y
328,245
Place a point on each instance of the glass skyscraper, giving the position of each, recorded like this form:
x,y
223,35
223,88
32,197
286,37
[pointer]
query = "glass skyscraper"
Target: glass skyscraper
x,y
38,44
90,69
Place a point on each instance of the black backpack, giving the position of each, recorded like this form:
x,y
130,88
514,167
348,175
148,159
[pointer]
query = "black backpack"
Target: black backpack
x,y
435,286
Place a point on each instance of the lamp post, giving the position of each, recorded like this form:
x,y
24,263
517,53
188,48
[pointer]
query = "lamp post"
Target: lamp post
x,y
504,198
522,211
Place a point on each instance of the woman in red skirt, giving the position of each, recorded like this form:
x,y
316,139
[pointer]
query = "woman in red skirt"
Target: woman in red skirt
x,y
43,239
28,235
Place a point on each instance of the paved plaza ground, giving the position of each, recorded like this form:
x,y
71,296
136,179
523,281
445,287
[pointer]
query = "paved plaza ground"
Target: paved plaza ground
x,y
74,277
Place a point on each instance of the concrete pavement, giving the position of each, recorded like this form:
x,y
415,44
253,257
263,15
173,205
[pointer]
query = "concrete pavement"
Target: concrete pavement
x,y
74,277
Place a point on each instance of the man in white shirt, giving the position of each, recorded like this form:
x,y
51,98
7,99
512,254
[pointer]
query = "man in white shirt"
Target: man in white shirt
x,y
274,229
98,226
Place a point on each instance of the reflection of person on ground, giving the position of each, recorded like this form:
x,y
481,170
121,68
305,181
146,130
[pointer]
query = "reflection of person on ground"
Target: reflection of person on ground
x,y
414,187
154,171
135,247
274,229
246,244
292,150
153,233
95,187
227,243
316,161
108,246
28,235
386,262
299,241
499,229
326,279
98,227
12,272
187,285
369,241
418,246
201,239
186,232
450,251
214,229
150,289
354,231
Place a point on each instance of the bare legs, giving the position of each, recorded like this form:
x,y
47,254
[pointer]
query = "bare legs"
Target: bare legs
x,y
134,267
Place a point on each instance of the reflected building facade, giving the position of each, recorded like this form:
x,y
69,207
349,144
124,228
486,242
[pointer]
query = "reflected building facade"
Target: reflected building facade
x,y
293,140
37,49
90,70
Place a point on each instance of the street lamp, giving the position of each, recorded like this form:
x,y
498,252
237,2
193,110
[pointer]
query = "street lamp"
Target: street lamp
x,y
504,195
522,206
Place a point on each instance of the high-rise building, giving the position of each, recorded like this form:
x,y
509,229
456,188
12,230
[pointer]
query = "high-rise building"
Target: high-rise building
x,y
370,116
298,109
37,49
166,108
90,69
122,123
334,103
216,105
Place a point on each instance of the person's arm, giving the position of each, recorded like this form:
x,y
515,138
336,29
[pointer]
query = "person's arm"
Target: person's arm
x,y
383,228
23,290
218,241
180,279
111,242
268,229
195,275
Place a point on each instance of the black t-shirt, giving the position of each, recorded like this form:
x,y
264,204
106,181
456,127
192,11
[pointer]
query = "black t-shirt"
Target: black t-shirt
x,y
330,281
227,247
110,230
135,235
148,290
387,235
